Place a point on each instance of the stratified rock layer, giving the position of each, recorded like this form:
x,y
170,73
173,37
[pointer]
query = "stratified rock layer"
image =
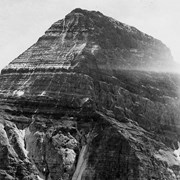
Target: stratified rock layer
x,y
87,105
84,39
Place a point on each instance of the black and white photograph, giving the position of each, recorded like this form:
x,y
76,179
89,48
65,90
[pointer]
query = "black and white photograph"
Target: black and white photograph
x,y
89,90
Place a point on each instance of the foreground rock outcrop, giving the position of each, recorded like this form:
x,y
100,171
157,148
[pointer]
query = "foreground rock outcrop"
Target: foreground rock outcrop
x,y
86,102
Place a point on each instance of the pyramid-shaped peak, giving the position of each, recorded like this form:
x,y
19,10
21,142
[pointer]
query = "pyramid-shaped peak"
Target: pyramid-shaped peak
x,y
85,35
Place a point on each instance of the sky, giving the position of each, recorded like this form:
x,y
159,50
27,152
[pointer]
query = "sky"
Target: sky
x,y
22,22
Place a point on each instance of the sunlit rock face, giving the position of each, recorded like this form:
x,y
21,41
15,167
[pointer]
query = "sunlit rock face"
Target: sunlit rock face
x,y
84,103
15,163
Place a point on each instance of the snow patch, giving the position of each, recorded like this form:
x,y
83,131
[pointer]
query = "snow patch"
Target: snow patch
x,y
177,152
81,47
84,100
94,49
21,134
77,48
65,29
43,93
18,93
81,166
63,37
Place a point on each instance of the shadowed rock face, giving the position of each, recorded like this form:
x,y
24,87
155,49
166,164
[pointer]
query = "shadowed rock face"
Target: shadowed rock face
x,y
87,106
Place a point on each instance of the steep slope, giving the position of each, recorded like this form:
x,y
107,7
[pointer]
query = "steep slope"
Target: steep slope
x,y
90,106
83,36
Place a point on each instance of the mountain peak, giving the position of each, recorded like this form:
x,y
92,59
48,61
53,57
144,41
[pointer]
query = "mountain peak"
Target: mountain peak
x,y
83,35
84,11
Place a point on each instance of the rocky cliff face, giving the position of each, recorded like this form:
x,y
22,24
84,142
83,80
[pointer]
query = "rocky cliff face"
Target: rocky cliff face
x,y
83,37
83,103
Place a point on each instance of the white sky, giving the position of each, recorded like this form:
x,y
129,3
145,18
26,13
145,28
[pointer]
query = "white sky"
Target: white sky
x,y
22,22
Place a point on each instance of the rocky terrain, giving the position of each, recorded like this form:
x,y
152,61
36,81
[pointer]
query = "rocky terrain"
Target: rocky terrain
x,y
86,102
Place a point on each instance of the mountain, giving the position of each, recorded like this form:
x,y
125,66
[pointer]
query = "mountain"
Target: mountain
x,y
86,102
86,36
